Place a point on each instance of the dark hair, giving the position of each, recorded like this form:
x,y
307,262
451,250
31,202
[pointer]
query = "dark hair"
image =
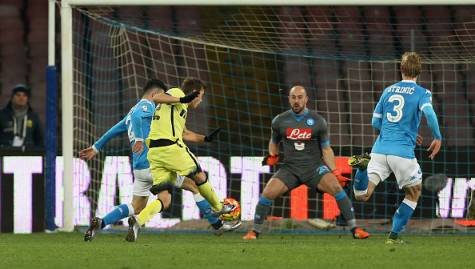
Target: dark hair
x,y
411,65
152,84
190,84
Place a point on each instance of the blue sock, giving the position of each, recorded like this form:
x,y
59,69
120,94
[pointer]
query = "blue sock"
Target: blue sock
x,y
205,209
402,215
120,212
360,183
265,201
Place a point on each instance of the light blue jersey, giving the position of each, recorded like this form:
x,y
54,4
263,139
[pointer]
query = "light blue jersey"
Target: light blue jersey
x,y
137,126
398,115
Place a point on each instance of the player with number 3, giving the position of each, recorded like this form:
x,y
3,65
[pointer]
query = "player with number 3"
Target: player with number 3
x,y
398,115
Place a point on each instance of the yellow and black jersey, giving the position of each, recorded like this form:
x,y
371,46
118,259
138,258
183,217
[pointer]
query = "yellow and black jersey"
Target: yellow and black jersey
x,y
169,119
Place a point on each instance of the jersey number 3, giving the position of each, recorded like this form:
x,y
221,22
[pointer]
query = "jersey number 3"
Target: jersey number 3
x,y
397,108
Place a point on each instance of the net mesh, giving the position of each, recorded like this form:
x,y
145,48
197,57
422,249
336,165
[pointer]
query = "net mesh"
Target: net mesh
x,y
249,57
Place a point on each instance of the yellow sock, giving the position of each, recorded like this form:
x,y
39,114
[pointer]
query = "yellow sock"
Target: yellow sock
x,y
207,191
149,212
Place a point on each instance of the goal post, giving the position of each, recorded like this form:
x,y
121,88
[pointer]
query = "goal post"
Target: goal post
x,y
348,100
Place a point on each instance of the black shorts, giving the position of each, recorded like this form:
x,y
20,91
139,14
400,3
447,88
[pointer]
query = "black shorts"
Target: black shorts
x,y
293,179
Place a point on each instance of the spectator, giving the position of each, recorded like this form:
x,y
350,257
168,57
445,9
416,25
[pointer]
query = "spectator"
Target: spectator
x,y
20,127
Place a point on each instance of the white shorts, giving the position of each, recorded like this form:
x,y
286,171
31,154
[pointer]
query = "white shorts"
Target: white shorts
x,y
407,171
143,182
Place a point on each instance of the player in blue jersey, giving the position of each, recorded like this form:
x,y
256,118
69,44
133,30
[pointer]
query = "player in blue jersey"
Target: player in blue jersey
x,y
137,125
397,116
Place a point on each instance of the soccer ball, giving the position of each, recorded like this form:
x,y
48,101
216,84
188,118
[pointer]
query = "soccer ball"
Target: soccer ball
x,y
233,215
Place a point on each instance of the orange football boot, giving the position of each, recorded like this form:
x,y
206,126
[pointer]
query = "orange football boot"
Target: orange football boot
x,y
251,235
359,233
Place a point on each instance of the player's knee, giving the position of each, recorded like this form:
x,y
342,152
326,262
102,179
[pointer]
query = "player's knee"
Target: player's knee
x,y
274,189
362,198
166,199
200,178
336,188
190,185
270,194
138,206
413,193
139,203
333,187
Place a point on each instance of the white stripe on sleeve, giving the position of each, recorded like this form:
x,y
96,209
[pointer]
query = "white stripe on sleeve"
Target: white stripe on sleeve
x,y
377,115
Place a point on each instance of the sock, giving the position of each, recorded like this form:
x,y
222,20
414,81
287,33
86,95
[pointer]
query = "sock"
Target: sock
x,y
207,191
120,212
346,209
360,182
402,215
262,210
205,209
149,212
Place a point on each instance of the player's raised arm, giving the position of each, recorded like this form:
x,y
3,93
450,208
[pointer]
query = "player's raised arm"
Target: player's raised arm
x,y
431,117
90,152
165,98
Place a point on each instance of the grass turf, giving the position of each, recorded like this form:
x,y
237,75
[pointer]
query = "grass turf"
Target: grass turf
x,y
68,250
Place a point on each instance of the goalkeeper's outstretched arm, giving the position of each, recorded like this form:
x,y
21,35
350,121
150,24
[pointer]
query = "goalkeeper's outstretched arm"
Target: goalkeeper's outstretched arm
x,y
328,157
273,157
273,148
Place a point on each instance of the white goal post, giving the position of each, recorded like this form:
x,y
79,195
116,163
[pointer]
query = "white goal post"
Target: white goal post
x,y
67,61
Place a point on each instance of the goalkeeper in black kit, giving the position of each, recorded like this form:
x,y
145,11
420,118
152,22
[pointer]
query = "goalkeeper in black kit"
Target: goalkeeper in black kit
x,y
309,160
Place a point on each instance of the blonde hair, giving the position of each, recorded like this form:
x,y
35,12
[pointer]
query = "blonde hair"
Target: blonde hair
x,y
411,65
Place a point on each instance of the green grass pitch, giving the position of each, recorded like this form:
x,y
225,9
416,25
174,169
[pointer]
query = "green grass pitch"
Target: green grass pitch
x,y
68,250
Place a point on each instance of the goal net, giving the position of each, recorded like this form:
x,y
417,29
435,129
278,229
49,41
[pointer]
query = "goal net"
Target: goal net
x,y
249,58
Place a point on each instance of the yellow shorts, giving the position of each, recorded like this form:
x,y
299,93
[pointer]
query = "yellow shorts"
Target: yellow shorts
x,y
169,161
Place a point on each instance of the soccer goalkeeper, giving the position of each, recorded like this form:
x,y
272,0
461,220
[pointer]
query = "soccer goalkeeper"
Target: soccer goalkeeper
x,y
309,160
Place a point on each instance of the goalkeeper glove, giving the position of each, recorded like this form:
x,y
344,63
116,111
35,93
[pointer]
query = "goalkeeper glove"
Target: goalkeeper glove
x,y
270,160
212,135
190,97
341,179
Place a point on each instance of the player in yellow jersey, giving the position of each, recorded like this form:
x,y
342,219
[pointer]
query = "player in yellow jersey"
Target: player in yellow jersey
x,y
169,156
